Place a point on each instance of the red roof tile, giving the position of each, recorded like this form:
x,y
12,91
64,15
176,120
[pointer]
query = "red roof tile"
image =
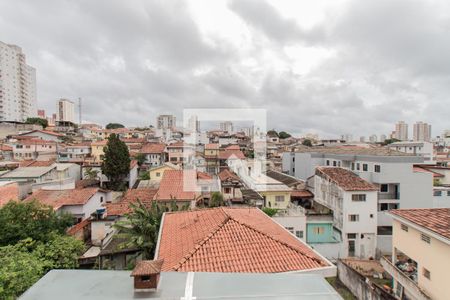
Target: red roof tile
x,y
145,195
9,192
152,148
236,154
231,240
212,146
434,219
227,174
77,227
173,186
36,163
4,147
57,199
345,179
147,267
302,194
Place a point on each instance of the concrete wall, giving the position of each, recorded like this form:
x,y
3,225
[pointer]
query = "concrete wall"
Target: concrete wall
x,y
358,285
293,224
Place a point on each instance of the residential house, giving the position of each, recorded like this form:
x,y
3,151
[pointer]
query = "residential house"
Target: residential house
x,y
34,149
155,154
231,186
205,241
420,253
353,201
31,174
44,135
392,171
9,191
211,155
81,203
178,152
424,149
75,153
97,152
6,152
156,173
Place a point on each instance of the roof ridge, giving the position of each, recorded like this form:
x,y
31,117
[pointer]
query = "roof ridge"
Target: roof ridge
x,y
279,241
201,243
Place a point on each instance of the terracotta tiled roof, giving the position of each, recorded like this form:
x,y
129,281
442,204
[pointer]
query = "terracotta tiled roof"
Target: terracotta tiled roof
x,y
77,227
212,146
231,240
36,163
57,199
203,175
133,140
433,219
301,194
172,186
176,145
345,179
99,143
153,148
9,192
226,154
36,142
145,195
227,174
4,147
43,131
147,267
425,170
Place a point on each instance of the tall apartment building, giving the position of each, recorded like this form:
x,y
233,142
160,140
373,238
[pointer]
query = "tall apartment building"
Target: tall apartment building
x,y
401,131
227,126
422,132
392,171
17,85
166,122
65,111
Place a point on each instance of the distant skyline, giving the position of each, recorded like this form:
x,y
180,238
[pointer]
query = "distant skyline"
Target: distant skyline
x,y
330,67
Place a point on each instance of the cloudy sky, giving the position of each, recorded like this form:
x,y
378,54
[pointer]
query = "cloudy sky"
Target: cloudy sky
x,y
330,67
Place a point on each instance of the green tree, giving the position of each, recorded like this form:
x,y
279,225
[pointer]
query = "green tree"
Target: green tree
x,y
216,200
90,173
116,162
141,228
284,135
307,142
114,126
37,121
19,270
140,157
269,211
60,252
21,220
390,141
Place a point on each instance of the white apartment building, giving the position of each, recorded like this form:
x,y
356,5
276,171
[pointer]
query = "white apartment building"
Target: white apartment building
x,y
227,126
353,201
424,149
401,131
65,111
422,132
393,172
17,85
166,122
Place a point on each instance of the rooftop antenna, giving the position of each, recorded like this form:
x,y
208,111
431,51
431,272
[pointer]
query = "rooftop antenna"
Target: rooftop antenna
x,y
79,111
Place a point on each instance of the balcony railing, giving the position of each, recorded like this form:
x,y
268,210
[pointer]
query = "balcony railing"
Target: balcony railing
x,y
406,282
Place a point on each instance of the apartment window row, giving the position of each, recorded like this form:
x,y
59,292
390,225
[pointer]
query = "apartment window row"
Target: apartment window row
x,y
387,206
279,198
335,163
365,167
359,197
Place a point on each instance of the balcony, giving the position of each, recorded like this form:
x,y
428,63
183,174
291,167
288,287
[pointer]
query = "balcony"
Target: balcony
x,y
408,284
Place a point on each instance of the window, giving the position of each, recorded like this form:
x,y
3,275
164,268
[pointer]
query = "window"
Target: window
x,y
377,168
359,197
158,174
426,273
279,198
101,199
448,193
334,163
365,167
227,190
371,216
353,166
299,234
437,193
351,235
328,162
319,230
404,227
357,166
290,229
353,218
425,238
384,188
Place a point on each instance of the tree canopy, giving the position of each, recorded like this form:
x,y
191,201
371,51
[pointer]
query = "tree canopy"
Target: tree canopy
x,y
21,220
307,142
216,200
37,121
114,126
390,141
284,135
116,162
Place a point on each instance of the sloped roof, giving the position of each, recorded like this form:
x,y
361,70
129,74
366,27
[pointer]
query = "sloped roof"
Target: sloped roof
x,y
433,219
153,148
212,146
231,240
43,131
226,154
9,191
147,267
36,163
173,186
345,179
226,174
57,199
145,195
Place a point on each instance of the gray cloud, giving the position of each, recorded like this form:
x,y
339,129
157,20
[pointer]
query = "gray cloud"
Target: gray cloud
x,y
133,60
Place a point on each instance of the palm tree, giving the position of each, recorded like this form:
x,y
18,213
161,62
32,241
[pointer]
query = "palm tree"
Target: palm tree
x,y
90,173
141,228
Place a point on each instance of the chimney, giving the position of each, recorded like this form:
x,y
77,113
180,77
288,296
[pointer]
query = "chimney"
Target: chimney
x,y
146,274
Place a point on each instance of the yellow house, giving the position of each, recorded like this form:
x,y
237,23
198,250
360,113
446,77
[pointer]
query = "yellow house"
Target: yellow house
x,y
157,172
276,194
420,253
97,150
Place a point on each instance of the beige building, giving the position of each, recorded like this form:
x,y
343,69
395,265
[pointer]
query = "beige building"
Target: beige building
x,y
65,111
17,85
401,131
422,132
420,253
